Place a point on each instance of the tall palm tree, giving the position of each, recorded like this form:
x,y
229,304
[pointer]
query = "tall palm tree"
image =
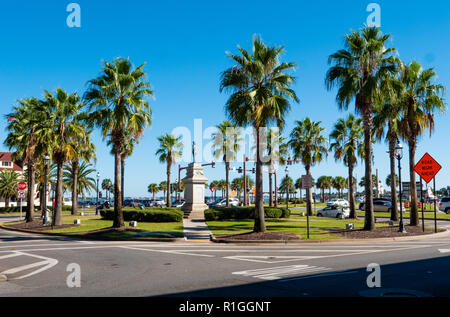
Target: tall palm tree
x,y
359,72
214,184
277,150
170,149
24,131
260,88
65,126
8,185
82,179
163,187
226,142
339,183
287,185
153,189
83,149
421,98
117,104
388,113
347,145
309,146
298,185
106,186
324,182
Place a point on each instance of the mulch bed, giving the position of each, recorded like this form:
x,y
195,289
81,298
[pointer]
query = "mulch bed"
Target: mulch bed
x,y
37,225
104,231
262,236
384,232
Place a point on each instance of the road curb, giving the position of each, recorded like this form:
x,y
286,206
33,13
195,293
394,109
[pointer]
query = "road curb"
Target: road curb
x,y
3,278
49,234
445,233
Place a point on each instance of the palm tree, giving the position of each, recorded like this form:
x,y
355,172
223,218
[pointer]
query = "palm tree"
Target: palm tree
x,y
153,189
163,186
106,186
287,185
169,151
347,145
83,149
420,99
308,146
221,186
389,179
24,131
84,182
339,183
277,150
324,182
214,184
226,145
65,126
260,91
298,185
359,72
8,185
117,104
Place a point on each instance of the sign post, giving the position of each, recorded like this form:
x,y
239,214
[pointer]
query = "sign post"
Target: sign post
x,y
307,184
21,187
427,168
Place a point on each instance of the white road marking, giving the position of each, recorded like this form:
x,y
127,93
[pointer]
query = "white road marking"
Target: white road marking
x,y
165,251
444,250
10,255
48,263
269,259
275,273
317,275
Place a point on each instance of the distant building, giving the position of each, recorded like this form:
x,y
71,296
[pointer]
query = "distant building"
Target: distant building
x,y
7,163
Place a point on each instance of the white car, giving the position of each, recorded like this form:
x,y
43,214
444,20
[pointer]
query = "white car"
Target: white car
x,y
334,211
444,205
339,202
158,203
233,202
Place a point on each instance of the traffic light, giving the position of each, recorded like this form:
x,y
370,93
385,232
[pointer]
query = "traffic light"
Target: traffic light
x,y
240,170
253,170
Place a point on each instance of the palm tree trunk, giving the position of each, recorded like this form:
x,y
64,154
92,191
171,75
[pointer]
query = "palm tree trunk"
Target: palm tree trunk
x,y
369,220
57,221
75,188
7,198
394,211
351,193
260,224
270,190
308,193
122,175
169,163
30,198
414,213
118,215
227,181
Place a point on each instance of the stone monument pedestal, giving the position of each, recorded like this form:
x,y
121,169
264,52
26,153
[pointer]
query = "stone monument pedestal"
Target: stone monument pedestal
x,y
194,192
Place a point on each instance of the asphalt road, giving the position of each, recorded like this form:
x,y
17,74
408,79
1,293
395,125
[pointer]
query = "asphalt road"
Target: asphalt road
x,y
38,266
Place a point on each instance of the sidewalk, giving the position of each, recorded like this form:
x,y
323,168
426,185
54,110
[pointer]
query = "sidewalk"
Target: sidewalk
x,y
196,229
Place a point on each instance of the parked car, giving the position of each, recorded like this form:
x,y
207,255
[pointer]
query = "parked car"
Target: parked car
x,y
104,205
339,202
179,204
334,211
362,204
444,205
233,202
158,203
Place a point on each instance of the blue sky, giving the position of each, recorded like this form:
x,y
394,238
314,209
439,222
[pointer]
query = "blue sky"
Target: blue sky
x,y
184,45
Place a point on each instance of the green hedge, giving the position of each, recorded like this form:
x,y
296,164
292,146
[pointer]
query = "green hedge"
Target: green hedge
x,y
12,209
146,215
224,213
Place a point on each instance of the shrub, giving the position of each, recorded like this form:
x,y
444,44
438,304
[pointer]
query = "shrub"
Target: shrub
x,y
224,213
12,209
146,215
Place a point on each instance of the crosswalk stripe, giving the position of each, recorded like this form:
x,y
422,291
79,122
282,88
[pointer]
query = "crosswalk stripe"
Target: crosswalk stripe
x,y
274,273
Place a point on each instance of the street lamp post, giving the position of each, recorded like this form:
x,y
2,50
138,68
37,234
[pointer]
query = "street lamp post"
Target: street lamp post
x,y
96,205
44,207
399,155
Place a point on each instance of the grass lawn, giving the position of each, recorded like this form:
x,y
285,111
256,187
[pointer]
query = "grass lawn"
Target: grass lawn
x,y
428,215
295,225
89,223
17,214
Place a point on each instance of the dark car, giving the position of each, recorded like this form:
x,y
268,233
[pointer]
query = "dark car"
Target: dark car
x,y
376,201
